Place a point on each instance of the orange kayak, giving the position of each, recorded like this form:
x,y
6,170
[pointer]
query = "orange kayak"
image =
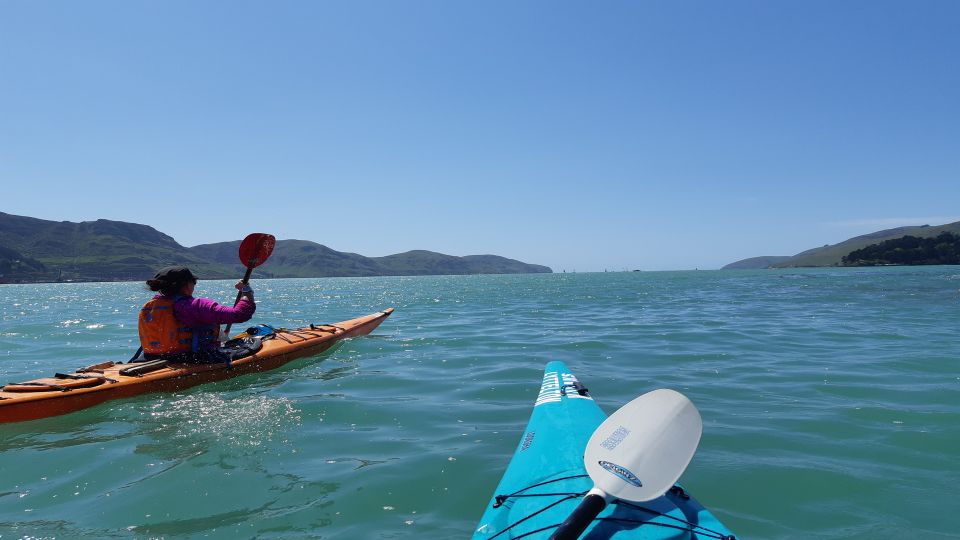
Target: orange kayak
x,y
92,385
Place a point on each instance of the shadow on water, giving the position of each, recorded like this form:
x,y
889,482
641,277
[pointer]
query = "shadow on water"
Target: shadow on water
x,y
334,373
263,515
62,529
90,426
203,524
361,463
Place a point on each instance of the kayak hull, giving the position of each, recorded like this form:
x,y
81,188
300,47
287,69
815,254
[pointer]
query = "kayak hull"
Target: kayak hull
x,y
546,479
53,397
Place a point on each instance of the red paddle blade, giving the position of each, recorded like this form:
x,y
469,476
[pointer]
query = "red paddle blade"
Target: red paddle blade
x,y
256,249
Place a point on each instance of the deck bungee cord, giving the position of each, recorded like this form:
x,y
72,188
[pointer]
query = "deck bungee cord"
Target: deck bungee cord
x,y
675,491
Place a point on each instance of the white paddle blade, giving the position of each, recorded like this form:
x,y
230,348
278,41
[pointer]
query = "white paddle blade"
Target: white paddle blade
x,y
641,450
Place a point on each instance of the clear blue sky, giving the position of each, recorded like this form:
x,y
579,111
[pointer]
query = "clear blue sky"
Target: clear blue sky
x,y
580,135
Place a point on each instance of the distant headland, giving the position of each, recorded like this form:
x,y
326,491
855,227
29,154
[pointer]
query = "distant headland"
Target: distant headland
x,y
919,245
37,250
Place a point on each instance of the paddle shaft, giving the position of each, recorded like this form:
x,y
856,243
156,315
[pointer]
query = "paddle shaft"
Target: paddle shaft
x,y
245,280
581,517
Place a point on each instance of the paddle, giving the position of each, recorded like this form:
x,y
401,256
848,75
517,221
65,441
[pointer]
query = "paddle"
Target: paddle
x,y
637,454
254,251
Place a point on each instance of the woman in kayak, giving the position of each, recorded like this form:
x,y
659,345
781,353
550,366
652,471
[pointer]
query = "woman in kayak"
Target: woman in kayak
x,y
176,326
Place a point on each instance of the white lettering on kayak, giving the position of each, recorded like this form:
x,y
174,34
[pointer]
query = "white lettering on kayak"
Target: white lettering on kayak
x,y
550,389
553,387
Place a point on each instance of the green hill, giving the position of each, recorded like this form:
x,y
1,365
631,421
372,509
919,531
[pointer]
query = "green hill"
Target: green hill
x,y
99,250
908,250
40,250
756,262
296,258
832,255
12,261
301,258
420,262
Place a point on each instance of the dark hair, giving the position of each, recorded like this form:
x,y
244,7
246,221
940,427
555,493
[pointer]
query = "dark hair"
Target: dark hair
x,y
166,288
169,281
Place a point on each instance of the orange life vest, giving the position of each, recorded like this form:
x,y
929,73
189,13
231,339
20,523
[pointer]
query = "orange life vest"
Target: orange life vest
x,y
161,334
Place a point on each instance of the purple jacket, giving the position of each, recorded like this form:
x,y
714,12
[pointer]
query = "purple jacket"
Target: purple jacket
x,y
202,311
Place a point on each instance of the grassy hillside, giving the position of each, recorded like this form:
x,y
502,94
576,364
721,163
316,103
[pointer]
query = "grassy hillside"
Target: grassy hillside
x,y
832,255
301,258
421,262
14,262
40,250
99,250
296,258
754,263
486,264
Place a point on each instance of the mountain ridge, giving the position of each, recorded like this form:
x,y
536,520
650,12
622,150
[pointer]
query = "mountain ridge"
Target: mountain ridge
x,y
33,249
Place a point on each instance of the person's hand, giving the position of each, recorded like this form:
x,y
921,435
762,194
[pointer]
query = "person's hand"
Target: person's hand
x,y
245,289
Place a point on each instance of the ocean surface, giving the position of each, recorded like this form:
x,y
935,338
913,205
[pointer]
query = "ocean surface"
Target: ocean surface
x,y
830,400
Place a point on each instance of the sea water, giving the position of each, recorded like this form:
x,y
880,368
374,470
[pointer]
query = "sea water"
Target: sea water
x,y
830,400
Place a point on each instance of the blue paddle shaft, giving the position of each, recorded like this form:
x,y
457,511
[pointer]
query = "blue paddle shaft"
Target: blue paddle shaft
x,y
580,519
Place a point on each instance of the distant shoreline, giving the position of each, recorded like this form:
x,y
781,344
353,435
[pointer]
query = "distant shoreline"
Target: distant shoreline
x,y
41,251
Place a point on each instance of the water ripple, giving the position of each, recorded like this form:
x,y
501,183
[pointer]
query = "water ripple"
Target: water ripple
x,y
830,399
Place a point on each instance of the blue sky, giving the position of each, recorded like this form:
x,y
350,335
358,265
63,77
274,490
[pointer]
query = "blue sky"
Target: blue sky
x,y
583,136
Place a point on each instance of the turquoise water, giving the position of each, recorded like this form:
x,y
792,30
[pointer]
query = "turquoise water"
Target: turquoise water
x,y
830,399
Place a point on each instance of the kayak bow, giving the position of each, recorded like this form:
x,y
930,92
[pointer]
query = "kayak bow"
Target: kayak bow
x,y
546,479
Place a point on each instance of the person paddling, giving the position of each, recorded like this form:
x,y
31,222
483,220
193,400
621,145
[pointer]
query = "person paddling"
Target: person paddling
x,y
176,326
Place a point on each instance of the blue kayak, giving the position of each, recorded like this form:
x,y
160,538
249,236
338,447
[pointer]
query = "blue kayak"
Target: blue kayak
x,y
546,479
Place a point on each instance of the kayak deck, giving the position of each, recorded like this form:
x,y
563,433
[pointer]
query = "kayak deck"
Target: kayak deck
x,y
92,385
546,479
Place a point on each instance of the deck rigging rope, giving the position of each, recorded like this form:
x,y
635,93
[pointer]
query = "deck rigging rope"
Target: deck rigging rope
x,y
677,491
